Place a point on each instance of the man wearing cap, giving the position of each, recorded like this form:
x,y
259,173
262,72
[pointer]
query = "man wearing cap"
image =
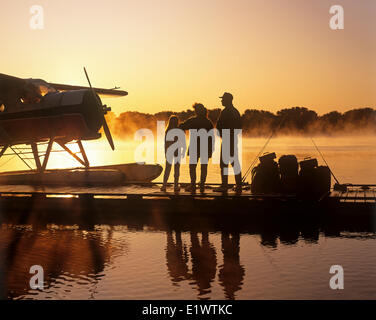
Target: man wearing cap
x,y
229,119
201,144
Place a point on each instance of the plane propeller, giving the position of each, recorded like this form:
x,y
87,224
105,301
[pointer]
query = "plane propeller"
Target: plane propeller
x,y
105,110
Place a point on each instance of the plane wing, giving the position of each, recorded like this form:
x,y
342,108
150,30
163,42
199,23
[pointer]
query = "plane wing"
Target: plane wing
x,y
14,85
7,82
99,91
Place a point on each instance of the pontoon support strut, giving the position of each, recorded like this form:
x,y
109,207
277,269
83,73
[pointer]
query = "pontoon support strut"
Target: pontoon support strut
x,y
84,162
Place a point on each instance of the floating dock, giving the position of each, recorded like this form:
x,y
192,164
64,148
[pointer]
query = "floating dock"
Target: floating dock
x,y
144,205
354,193
147,196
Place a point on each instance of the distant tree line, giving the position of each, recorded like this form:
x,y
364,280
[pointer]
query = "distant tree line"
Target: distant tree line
x,y
259,123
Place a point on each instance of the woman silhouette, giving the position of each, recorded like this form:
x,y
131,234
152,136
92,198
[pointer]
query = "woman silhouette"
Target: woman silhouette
x,y
175,158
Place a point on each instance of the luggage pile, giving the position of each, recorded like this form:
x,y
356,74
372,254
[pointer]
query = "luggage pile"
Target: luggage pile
x,y
306,178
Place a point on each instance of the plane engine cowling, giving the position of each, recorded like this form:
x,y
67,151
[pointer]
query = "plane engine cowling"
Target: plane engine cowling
x,y
64,115
78,101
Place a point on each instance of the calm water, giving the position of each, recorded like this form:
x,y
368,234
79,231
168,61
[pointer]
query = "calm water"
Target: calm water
x,y
130,259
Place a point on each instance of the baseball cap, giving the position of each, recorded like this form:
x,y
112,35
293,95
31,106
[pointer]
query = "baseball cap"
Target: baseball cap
x,y
227,95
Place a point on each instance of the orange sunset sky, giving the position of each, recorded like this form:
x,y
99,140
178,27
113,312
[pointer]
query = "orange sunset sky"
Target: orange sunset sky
x,y
168,54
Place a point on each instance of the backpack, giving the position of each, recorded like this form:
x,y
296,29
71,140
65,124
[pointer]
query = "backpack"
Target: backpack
x,y
265,176
314,181
288,167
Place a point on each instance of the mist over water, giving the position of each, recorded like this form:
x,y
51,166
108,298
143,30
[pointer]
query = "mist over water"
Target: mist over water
x,y
351,158
296,121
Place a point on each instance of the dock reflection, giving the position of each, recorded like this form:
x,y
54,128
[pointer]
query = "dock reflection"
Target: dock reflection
x,y
203,253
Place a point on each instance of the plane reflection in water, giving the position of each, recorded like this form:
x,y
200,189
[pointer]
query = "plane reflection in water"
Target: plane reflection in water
x,y
69,254
88,255
69,257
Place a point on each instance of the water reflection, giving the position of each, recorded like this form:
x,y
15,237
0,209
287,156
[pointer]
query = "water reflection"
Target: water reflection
x,y
231,273
177,258
207,256
68,255
204,262
203,257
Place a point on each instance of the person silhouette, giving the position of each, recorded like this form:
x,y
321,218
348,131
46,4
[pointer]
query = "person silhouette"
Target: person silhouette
x,y
198,144
195,125
175,158
229,119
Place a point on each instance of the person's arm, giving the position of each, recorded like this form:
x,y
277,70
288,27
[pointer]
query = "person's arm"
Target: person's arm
x,y
186,125
220,122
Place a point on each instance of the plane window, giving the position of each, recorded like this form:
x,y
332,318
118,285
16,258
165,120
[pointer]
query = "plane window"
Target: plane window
x,y
2,107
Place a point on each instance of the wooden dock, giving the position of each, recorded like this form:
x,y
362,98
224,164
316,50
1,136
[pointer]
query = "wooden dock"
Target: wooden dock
x,y
145,205
137,197
353,194
356,193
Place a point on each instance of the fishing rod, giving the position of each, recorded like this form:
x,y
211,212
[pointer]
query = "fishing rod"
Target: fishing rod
x,y
255,159
322,156
262,149
337,186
